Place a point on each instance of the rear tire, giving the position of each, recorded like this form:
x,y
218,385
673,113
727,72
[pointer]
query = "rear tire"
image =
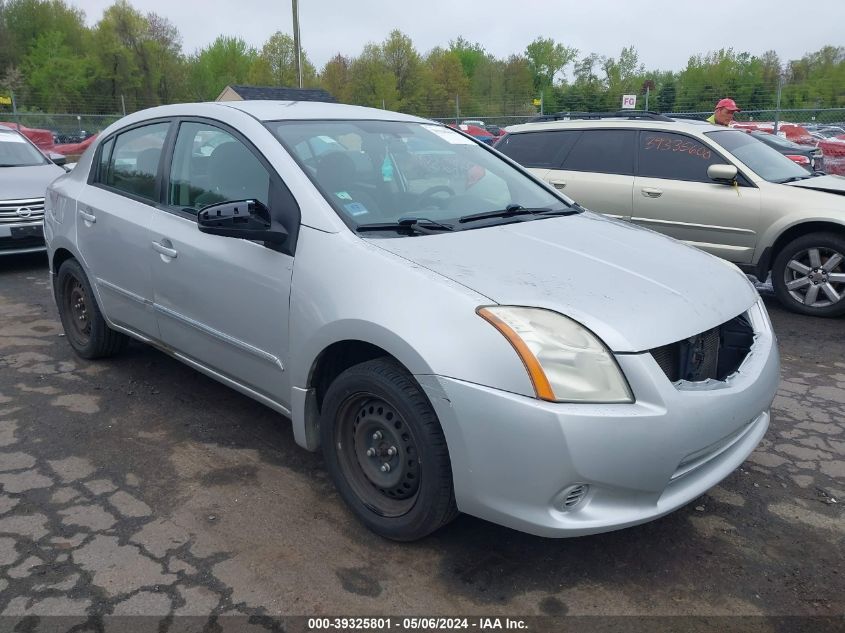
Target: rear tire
x,y
85,328
808,275
386,452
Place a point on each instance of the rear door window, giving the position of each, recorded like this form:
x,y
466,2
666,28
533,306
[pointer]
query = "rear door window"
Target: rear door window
x,y
546,150
674,157
604,152
134,162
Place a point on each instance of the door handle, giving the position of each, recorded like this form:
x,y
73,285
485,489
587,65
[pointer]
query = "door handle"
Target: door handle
x,y
166,248
558,184
88,217
650,192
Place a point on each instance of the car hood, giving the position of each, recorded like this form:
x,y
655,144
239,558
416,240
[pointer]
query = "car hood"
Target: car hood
x,y
634,288
19,183
829,184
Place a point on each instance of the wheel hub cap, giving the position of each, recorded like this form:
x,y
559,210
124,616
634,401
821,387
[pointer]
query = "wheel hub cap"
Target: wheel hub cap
x,y
818,276
385,450
79,310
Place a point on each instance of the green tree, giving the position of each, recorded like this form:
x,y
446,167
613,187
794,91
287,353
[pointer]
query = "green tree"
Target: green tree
x,y
666,92
546,59
227,60
55,74
336,78
137,58
471,55
402,60
624,75
448,83
372,83
586,91
23,21
517,86
279,58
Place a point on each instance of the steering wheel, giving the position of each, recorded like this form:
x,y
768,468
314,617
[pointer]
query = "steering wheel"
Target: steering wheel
x,y
423,197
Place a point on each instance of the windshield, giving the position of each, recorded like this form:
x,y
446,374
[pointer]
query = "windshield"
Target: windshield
x,y
387,171
765,161
777,140
15,151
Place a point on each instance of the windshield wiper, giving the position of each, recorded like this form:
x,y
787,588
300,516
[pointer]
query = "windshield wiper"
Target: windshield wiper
x,y
517,209
794,179
424,226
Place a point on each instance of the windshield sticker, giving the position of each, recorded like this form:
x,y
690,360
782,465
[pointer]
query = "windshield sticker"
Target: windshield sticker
x,y
343,195
449,135
355,208
11,138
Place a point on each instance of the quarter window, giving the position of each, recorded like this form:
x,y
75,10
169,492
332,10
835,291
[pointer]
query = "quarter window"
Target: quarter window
x,y
211,166
604,152
675,157
539,149
133,166
105,158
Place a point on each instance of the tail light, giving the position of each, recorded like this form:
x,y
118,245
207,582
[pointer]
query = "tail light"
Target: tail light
x,y
801,160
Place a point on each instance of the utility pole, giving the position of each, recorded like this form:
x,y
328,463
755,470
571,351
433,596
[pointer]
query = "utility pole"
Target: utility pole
x,y
296,45
647,89
777,107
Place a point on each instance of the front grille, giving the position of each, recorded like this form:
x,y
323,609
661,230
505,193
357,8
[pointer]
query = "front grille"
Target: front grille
x,y
711,355
24,210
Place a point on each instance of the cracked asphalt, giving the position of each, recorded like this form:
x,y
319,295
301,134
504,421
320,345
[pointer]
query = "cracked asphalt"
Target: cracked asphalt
x,y
138,486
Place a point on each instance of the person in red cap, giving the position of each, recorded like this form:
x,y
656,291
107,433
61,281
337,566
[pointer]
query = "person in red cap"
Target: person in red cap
x,y
724,113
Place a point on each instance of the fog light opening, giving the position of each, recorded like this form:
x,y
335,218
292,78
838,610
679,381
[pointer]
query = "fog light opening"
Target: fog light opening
x,y
571,497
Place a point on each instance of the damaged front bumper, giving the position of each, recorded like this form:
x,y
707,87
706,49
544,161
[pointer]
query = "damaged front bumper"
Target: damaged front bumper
x,y
558,469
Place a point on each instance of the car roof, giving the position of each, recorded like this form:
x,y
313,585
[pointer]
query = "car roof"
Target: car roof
x,y
674,125
279,111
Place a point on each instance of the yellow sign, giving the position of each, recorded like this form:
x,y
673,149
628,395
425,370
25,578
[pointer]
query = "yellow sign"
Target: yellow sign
x,y
5,100
537,102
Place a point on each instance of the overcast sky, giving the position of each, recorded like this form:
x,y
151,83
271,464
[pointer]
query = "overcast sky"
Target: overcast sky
x,y
665,33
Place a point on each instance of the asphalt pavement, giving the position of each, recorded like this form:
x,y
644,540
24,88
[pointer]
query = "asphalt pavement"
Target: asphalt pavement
x,y
137,485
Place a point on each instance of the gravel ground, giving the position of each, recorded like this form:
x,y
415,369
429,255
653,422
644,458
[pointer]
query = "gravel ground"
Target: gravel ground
x,y
138,486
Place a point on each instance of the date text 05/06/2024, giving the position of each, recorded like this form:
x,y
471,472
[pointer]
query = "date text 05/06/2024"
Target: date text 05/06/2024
x,y
416,624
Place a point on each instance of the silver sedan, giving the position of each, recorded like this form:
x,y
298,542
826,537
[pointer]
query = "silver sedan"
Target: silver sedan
x,y
452,333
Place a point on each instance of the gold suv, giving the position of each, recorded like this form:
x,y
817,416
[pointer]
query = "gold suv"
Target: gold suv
x,y
717,189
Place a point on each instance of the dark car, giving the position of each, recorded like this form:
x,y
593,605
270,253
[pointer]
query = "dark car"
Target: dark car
x,y
810,158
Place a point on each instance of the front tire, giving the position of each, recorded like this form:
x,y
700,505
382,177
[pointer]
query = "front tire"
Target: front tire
x,y
386,452
85,328
808,275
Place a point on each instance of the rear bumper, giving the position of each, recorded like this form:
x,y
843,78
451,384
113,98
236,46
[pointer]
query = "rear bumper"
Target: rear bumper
x,y
515,459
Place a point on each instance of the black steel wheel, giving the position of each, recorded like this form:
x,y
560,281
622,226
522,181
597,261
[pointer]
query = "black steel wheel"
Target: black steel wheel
x,y
386,452
84,325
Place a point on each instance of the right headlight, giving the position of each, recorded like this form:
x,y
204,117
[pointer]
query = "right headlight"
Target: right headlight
x,y
565,361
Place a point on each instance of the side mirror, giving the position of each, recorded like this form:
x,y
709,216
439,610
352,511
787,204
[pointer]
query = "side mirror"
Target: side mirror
x,y
58,159
722,173
244,219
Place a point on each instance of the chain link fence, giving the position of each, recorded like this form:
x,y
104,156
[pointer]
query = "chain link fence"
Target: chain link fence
x,y
67,129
